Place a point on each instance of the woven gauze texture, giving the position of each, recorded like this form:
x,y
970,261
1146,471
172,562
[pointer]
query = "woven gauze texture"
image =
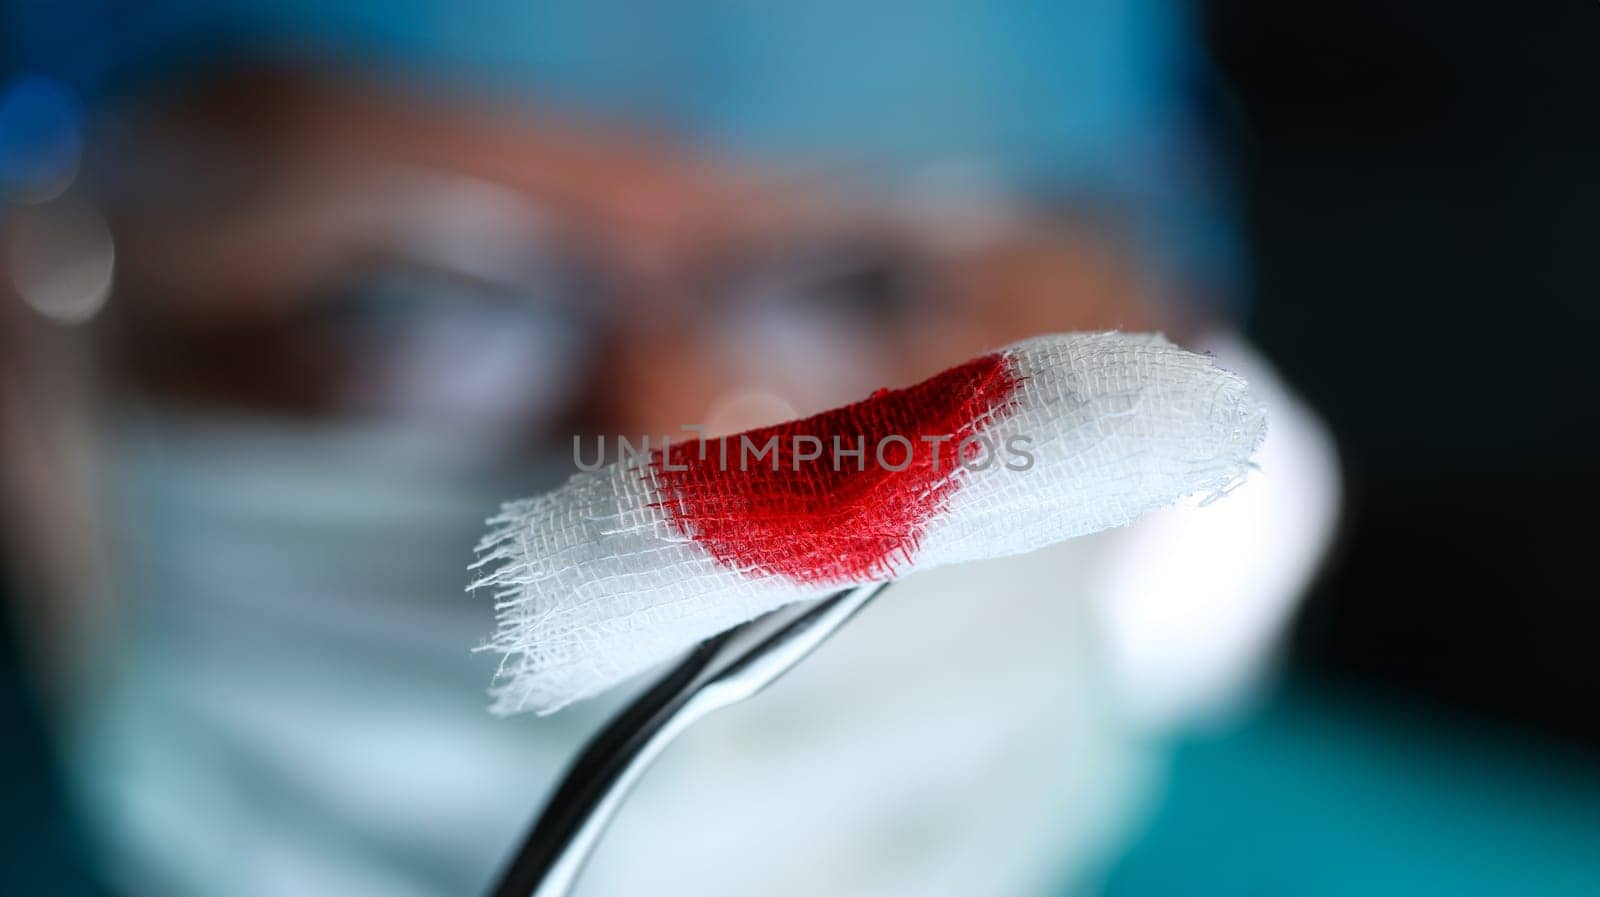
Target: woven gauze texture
x,y
1054,437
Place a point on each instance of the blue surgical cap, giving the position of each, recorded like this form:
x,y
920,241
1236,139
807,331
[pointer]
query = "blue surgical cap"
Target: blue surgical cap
x,y
1086,101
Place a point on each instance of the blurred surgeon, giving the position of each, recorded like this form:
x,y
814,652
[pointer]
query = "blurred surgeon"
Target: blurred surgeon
x,y
318,285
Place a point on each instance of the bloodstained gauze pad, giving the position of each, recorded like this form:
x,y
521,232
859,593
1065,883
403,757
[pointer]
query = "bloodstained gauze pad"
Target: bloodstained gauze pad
x,y
1047,439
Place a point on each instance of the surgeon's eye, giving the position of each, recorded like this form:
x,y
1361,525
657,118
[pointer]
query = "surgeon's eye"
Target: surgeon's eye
x,y
431,347
396,343
867,282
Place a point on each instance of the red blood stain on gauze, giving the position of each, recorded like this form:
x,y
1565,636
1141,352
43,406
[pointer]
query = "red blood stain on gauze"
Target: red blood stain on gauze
x,y
834,518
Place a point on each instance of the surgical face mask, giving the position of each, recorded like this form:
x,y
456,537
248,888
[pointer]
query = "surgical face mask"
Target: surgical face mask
x,y
292,706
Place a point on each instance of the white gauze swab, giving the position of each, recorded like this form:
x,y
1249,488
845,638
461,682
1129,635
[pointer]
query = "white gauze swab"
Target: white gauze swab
x,y
1047,439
